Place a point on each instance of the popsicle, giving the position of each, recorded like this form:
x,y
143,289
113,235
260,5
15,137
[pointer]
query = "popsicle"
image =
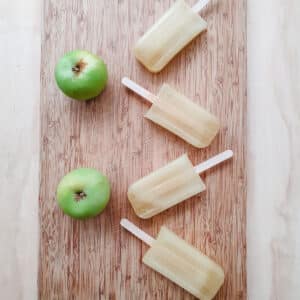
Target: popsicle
x,y
176,113
170,185
171,33
180,262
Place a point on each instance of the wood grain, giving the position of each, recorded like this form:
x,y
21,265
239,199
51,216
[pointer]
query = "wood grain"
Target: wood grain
x,y
95,259
19,151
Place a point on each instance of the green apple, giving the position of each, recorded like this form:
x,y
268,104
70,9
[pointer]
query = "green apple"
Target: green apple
x,y
81,75
83,193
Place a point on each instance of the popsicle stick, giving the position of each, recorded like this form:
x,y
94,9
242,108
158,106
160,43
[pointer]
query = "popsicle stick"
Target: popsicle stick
x,y
213,161
200,5
138,89
140,234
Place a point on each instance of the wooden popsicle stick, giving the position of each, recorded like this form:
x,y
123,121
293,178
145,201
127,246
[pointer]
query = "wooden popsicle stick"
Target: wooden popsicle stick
x,y
213,161
138,90
199,5
140,234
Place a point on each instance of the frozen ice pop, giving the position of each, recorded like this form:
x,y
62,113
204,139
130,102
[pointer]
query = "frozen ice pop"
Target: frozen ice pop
x,y
172,32
176,113
170,185
180,262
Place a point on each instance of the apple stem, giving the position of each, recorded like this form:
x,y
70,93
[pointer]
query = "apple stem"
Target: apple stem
x,y
79,66
80,196
76,69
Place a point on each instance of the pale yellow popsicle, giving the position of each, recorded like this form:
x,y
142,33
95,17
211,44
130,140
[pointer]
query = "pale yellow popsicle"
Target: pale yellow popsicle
x,y
172,32
165,187
178,114
180,262
170,185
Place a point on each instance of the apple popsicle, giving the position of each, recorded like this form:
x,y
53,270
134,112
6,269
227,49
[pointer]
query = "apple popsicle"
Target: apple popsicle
x,y
180,262
170,185
171,33
176,113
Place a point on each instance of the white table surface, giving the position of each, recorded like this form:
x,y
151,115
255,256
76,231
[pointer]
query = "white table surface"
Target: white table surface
x,y
273,148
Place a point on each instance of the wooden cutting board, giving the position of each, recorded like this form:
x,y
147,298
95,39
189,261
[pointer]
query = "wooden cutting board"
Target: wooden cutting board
x,y
96,259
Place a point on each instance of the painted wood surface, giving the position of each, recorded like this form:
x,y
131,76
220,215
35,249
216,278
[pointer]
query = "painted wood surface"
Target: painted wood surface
x,y
95,259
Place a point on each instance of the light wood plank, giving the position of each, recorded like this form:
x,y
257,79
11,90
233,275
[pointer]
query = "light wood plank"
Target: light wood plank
x,y
274,150
19,147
